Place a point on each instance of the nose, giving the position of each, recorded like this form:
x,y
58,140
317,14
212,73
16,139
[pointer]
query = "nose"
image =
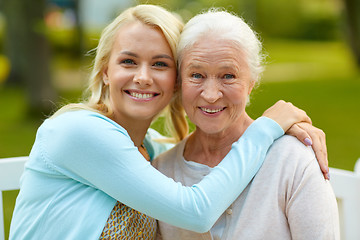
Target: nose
x,y
143,76
211,91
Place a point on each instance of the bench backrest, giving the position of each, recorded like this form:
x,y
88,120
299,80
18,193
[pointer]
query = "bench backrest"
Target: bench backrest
x,y
11,170
346,185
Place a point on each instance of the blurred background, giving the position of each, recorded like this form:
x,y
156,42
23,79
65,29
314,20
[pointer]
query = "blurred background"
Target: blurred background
x,y
313,49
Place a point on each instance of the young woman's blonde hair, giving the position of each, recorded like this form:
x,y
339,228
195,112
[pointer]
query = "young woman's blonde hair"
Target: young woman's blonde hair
x,y
156,16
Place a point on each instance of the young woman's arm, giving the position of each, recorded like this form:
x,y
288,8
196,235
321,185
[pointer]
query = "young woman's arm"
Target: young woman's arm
x,y
98,152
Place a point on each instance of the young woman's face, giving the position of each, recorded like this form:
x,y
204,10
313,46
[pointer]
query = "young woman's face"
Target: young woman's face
x,y
216,82
141,73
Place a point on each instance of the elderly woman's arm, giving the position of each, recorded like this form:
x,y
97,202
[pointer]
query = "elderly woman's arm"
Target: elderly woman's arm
x,y
312,209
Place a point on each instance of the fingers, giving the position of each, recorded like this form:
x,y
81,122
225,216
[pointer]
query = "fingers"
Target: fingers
x,y
319,146
286,114
300,134
318,138
306,118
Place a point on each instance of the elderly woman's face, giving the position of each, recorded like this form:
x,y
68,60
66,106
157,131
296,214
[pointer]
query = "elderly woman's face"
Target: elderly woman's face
x,y
216,82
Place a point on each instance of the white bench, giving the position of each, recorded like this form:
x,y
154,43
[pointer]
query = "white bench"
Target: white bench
x,y
11,170
346,185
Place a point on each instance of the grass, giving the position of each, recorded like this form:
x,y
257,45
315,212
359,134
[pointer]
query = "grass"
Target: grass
x,y
308,60
333,105
17,131
317,77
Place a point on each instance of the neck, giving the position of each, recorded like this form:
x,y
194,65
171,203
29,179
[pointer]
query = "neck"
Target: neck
x,y
135,128
210,149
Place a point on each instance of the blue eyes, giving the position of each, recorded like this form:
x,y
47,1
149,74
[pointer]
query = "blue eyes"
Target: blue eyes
x,y
160,64
229,76
226,76
127,61
196,75
132,62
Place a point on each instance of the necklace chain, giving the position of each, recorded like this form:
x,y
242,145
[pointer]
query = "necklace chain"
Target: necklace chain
x,y
144,152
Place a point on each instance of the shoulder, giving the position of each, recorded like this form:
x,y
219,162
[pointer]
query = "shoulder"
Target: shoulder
x,y
80,129
289,156
81,123
81,139
291,166
82,118
169,158
289,146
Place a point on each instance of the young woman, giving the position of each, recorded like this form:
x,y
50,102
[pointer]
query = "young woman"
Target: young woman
x,y
88,175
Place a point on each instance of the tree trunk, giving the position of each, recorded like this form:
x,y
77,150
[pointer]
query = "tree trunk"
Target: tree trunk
x,y
29,52
352,8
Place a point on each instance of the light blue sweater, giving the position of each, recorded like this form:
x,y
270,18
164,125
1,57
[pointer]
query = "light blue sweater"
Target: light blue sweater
x,y
82,162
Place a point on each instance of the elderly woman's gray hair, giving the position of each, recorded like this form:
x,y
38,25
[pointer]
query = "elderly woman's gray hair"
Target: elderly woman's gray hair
x,y
227,26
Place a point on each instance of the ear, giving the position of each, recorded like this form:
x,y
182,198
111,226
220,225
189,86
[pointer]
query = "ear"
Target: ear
x,y
251,86
105,76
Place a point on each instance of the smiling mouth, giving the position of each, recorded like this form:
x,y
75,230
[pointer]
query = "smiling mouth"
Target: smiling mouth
x,y
212,111
141,95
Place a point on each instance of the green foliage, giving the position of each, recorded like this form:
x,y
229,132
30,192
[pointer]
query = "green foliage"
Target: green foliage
x,y
313,20
306,19
318,27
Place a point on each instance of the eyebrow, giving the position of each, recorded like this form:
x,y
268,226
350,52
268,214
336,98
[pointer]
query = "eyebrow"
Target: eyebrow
x,y
194,66
155,57
163,56
129,53
197,66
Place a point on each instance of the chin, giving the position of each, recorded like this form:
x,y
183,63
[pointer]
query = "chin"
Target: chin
x,y
210,129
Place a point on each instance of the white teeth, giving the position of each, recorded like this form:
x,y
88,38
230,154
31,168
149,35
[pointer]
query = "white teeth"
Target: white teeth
x,y
140,95
211,110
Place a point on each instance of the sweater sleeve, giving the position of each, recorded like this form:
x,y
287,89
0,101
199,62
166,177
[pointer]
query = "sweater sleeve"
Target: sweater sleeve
x,y
312,209
96,151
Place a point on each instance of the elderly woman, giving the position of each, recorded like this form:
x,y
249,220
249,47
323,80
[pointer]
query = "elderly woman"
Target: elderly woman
x,y
220,63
